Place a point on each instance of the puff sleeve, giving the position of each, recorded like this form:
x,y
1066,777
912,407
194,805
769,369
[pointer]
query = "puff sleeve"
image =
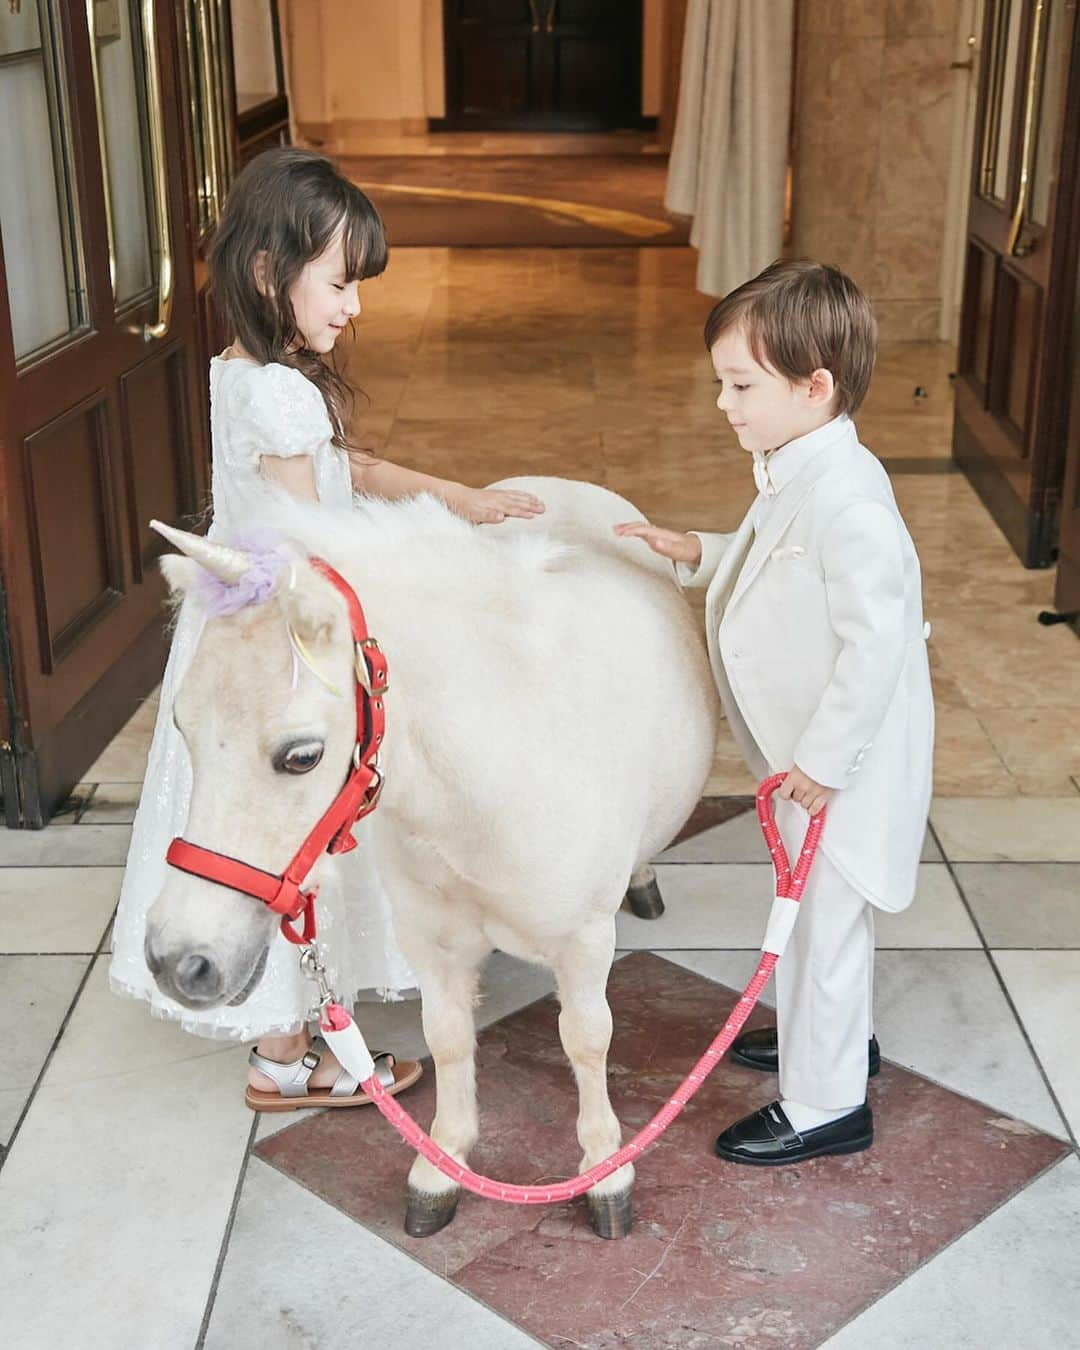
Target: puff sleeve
x,y
275,410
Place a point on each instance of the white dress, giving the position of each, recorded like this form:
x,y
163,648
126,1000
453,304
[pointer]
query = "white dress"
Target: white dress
x,y
254,410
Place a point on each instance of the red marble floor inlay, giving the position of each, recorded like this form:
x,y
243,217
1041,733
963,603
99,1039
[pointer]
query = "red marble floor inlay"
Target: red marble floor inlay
x,y
719,1254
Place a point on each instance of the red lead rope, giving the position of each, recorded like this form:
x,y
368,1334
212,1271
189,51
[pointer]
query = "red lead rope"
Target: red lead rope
x,y
789,887
358,796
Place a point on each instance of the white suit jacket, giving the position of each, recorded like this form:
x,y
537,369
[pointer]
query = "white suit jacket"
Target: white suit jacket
x,y
818,646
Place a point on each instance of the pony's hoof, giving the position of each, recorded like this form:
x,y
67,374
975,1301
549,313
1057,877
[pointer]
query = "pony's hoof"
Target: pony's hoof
x,y
426,1214
611,1216
645,901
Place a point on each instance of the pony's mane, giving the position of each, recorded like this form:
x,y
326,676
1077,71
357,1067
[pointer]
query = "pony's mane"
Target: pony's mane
x,y
403,537
414,543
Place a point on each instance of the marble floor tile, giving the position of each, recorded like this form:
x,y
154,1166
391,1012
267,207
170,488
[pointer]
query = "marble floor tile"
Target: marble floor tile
x,y
1019,830
754,1257
1024,904
940,1014
121,1179
56,909
965,761
727,905
37,995
992,650
944,1015
1045,987
1040,746
85,846
124,759
112,804
1011,1282
338,1284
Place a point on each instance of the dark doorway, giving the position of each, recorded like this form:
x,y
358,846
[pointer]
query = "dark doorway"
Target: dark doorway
x,y
542,65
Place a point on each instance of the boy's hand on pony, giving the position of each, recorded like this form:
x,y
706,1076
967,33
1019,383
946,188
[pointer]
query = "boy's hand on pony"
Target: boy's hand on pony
x,y
797,787
490,506
673,544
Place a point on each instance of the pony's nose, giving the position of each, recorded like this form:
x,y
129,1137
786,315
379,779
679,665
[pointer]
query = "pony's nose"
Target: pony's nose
x,y
197,979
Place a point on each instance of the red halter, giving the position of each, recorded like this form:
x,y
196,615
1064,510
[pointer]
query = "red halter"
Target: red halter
x,y
358,796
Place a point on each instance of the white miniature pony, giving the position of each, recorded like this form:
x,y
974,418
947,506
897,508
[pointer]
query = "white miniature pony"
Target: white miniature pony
x,y
550,726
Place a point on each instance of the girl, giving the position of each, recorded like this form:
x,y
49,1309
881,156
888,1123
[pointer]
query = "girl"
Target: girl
x,y
294,243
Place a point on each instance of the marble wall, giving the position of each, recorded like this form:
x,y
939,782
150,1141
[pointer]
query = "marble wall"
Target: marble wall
x,y
872,129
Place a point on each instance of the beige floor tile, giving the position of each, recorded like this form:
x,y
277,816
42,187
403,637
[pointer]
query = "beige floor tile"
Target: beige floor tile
x,y
1040,746
1018,830
965,761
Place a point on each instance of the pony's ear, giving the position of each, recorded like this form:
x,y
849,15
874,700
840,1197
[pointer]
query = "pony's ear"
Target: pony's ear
x,y
179,573
313,609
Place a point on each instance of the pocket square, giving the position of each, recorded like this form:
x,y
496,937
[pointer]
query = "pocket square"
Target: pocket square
x,y
790,551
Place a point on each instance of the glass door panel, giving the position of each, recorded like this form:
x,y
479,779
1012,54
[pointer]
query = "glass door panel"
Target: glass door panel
x,y
124,138
255,54
38,211
1050,109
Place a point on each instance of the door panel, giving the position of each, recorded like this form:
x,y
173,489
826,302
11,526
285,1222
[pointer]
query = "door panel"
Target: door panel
x,y
102,423
72,537
542,64
159,480
1008,434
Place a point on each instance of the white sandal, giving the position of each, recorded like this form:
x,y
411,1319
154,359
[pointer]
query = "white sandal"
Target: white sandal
x,y
292,1079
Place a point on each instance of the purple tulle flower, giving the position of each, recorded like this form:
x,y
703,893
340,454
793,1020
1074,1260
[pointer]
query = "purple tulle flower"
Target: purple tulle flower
x,y
268,554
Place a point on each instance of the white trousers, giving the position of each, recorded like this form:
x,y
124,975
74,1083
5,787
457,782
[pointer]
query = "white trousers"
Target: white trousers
x,y
824,984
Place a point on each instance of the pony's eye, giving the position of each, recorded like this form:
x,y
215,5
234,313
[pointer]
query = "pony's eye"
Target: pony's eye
x,y
299,758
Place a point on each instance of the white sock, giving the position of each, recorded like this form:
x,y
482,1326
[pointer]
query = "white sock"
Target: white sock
x,y
804,1117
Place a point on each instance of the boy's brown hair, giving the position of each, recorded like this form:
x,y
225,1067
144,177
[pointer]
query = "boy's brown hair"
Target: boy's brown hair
x,y
801,316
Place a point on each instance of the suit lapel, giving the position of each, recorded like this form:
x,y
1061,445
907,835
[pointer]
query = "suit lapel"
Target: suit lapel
x,y
788,505
730,565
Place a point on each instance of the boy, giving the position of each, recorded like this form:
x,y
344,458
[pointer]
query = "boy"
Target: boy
x,y
817,641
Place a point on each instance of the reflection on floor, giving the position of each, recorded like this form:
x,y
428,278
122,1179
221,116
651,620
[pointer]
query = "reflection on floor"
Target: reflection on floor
x,y
133,1165
520,201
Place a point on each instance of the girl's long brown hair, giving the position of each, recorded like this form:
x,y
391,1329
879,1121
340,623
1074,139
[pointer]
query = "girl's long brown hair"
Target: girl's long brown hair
x,y
289,204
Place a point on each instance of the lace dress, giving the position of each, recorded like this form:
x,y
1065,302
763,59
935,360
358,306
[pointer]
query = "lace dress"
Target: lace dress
x,y
254,410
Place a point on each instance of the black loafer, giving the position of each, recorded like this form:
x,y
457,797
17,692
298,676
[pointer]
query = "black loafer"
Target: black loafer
x,y
767,1138
760,1050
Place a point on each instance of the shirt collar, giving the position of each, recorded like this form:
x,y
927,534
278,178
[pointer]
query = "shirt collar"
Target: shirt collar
x,y
773,472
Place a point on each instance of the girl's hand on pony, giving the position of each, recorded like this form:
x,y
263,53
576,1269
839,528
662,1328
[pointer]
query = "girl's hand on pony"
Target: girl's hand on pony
x,y
680,548
811,796
489,506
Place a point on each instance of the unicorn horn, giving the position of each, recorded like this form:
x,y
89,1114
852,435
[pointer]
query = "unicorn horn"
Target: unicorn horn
x,y
227,564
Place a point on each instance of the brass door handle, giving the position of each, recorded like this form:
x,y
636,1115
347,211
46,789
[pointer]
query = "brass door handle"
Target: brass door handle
x,y
103,142
549,22
156,113
1029,140
535,16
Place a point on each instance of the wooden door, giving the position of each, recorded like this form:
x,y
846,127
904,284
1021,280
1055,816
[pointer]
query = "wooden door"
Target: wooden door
x,y
1009,436
101,426
1067,585
542,65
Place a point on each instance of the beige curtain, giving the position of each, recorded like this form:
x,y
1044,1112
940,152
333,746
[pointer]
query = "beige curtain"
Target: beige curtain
x,y
729,157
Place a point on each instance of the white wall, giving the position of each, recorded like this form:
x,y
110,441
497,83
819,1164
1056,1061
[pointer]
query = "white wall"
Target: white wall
x,y
367,60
